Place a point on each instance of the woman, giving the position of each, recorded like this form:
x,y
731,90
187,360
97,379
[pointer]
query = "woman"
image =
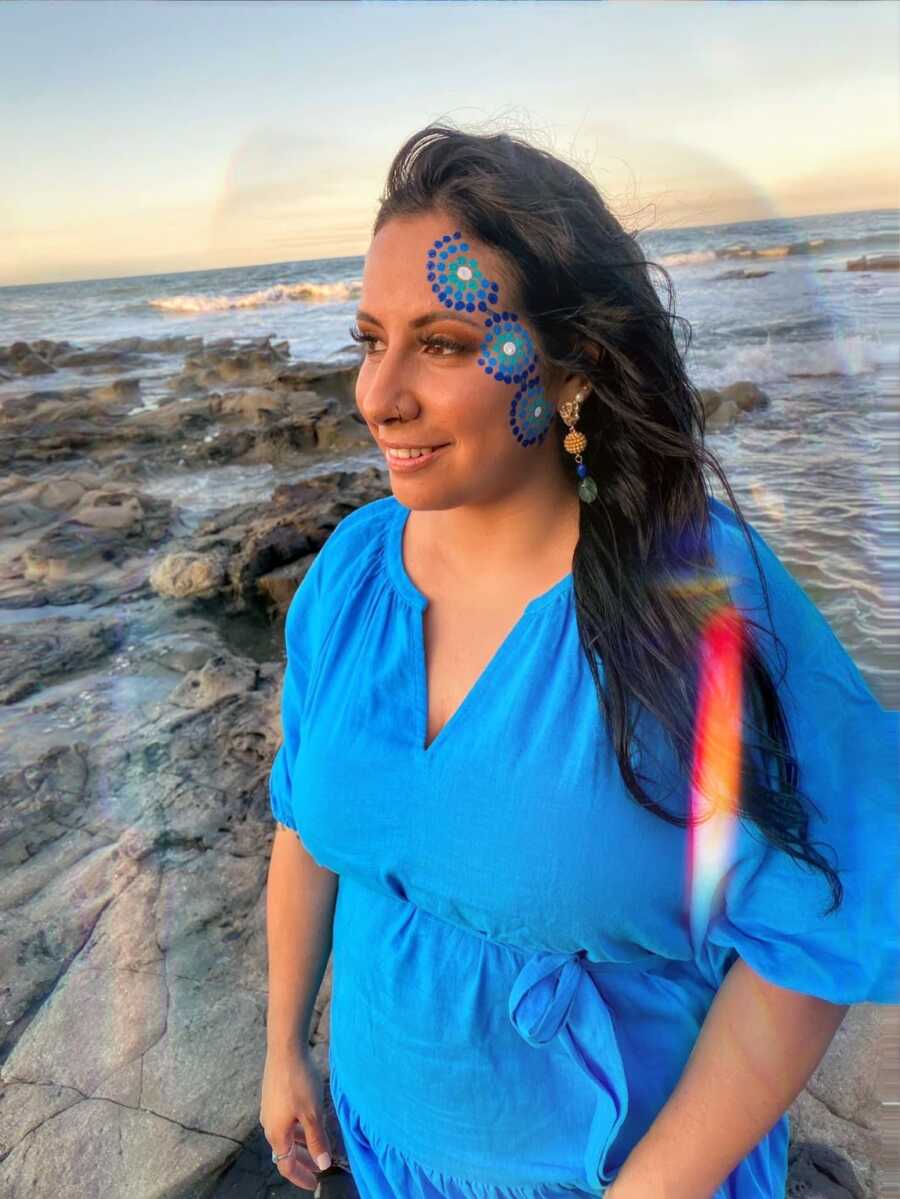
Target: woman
x,y
545,980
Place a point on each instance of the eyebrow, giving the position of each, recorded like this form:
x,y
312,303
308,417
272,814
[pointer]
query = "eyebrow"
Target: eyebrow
x,y
428,318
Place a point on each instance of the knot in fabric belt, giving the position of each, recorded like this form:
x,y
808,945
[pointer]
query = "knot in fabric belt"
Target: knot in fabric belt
x,y
557,995
542,995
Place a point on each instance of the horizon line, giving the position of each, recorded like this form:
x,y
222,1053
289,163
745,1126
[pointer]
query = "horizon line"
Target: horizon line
x,y
343,257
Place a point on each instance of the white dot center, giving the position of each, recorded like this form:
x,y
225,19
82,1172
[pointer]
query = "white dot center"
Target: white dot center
x,y
509,347
465,272
538,410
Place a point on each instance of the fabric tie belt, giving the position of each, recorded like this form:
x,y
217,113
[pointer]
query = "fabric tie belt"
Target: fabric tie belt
x,y
557,995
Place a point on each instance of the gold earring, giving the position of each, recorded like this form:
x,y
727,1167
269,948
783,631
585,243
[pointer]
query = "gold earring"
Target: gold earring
x,y
575,441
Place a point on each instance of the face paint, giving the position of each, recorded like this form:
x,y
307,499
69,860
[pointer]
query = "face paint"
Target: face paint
x,y
507,351
531,413
456,278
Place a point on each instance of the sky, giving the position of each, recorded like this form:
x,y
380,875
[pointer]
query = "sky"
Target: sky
x,y
151,136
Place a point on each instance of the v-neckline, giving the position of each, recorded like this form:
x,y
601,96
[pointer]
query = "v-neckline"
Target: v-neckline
x,y
407,588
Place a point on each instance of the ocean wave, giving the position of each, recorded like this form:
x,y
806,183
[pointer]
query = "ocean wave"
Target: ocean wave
x,y
814,358
812,246
281,293
688,258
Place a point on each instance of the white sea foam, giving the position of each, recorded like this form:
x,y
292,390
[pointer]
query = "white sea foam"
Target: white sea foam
x,y
321,293
776,360
841,247
688,258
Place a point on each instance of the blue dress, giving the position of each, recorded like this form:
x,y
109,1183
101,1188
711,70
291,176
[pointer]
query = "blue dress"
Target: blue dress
x,y
518,980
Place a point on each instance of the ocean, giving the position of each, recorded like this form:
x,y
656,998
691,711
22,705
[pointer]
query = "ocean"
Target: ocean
x,y
772,302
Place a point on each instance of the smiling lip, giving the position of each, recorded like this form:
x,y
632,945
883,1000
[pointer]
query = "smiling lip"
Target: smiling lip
x,y
405,465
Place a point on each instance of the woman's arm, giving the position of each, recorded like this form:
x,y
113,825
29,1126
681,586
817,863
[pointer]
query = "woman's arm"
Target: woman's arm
x,y
756,1050
300,898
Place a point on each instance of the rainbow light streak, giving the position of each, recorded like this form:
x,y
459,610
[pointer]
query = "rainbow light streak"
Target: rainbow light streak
x,y
715,776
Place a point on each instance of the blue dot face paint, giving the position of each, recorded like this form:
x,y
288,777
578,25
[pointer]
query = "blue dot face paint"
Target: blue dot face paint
x,y
507,352
530,413
455,277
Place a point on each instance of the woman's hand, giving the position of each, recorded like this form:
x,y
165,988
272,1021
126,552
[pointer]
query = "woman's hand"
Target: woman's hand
x,y
292,1114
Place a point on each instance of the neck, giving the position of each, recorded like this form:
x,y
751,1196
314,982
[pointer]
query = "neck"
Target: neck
x,y
524,534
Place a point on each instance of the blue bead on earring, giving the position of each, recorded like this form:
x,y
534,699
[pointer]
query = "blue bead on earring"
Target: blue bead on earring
x,y
575,441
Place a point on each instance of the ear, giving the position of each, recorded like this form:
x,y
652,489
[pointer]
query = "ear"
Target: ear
x,y
593,351
568,403
573,381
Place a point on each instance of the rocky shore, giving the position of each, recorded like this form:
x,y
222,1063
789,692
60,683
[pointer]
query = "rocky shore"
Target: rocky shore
x,y
141,633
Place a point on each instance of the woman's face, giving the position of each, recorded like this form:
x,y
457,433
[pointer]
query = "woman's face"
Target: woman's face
x,y
462,378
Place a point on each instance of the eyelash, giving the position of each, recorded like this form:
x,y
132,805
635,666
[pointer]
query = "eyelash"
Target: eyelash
x,y
442,342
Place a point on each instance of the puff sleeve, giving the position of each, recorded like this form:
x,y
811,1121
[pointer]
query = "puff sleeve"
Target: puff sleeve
x,y
302,626
771,908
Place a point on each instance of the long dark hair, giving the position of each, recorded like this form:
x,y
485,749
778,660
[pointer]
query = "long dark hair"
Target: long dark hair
x,y
585,287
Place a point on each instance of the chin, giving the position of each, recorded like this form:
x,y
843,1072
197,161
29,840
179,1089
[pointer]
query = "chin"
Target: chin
x,y
411,494
421,503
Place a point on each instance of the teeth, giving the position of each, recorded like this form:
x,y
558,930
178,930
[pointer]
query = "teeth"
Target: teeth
x,y
416,452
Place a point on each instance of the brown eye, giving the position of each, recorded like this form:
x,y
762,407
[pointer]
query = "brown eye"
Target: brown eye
x,y
445,344
366,339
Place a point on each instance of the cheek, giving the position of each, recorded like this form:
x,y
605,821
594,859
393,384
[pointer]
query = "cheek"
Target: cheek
x,y
508,356
516,415
483,407
503,415
364,379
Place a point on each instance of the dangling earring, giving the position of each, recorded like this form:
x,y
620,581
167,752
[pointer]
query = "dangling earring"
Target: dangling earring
x,y
575,441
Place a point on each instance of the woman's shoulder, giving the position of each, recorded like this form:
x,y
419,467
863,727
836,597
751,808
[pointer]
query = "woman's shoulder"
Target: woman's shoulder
x,y
746,569
763,587
347,558
348,551
358,534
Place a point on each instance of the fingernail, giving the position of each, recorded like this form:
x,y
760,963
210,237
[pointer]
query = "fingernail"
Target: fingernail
x,y
323,1161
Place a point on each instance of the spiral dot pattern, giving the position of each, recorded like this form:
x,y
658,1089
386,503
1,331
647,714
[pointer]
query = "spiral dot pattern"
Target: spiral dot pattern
x,y
456,278
530,413
507,352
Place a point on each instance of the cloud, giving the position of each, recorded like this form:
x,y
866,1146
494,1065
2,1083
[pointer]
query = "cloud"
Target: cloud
x,y
281,187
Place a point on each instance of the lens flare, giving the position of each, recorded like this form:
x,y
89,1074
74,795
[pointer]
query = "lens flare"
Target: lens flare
x,y
716,769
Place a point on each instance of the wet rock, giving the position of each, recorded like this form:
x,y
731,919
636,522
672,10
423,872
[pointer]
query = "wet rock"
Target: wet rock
x,y
746,395
33,364
22,359
51,350
90,361
185,573
840,1106
34,654
152,345
132,881
229,365
723,406
875,262
330,381
278,586
816,1171
70,532
230,554
17,518
219,676
107,508
741,273
282,421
